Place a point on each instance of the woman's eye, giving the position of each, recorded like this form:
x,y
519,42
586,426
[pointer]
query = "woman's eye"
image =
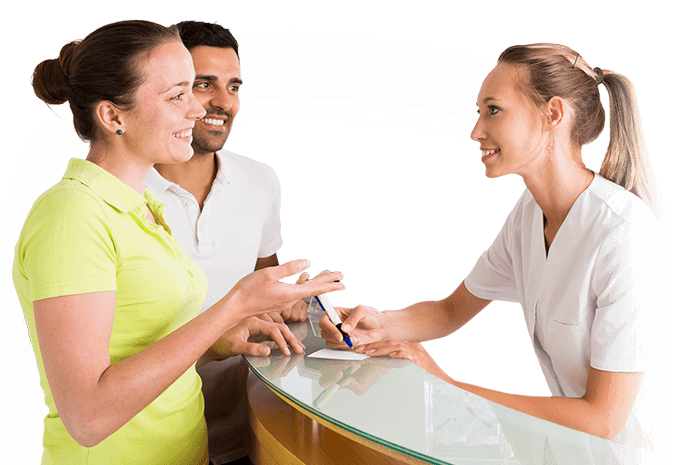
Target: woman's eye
x,y
493,110
178,96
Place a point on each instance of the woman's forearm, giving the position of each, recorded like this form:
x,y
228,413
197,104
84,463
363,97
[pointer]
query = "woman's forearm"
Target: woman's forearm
x,y
127,387
602,411
432,319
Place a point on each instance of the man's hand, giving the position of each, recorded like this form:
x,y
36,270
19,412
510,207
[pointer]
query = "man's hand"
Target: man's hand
x,y
245,337
362,324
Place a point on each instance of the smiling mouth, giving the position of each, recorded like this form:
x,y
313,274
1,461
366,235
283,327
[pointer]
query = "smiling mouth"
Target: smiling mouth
x,y
183,135
486,153
213,121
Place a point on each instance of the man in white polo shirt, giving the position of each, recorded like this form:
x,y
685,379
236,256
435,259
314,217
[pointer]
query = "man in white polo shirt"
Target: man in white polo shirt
x,y
224,210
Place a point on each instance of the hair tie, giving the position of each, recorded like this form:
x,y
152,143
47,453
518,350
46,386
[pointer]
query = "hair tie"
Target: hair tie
x,y
574,65
599,75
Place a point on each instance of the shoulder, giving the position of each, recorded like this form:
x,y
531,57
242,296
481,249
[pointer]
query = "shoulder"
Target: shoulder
x,y
239,165
611,208
68,198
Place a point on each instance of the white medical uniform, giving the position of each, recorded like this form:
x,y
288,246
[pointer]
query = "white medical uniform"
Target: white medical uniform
x,y
586,301
239,223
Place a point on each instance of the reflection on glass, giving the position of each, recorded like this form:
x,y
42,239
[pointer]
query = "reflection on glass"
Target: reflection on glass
x,y
401,406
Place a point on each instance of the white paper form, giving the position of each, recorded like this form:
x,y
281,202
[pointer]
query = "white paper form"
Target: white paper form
x,y
333,354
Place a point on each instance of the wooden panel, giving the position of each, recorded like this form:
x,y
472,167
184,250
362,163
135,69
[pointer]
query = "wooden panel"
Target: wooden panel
x,y
282,434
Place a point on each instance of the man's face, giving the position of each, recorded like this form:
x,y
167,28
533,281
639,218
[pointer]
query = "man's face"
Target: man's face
x,y
216,83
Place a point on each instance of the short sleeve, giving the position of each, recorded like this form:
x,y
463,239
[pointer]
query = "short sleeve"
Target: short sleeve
x,y
493,276
271,240
66,246
624,285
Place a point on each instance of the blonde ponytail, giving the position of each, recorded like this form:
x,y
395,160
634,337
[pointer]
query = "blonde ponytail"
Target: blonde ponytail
x,y
627,162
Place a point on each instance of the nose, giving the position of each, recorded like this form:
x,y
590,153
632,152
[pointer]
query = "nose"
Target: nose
x,y
221,99
478,133
197,111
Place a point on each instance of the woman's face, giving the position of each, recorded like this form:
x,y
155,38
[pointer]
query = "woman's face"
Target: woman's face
x,y
509,130
159,126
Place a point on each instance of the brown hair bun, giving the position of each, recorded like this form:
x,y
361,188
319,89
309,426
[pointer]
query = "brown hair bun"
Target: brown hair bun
x,y
50,76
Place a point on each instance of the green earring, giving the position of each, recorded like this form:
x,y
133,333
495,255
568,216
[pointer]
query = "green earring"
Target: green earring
x,y
119,132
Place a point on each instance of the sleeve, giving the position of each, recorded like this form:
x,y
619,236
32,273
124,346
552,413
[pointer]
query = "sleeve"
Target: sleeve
x,y
624,285
67,246
271,240
493,276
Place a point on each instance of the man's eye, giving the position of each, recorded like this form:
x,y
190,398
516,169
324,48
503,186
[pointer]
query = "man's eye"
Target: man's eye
x,y
178,96
202,85
233,88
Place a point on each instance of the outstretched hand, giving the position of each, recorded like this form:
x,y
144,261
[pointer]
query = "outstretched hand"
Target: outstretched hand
x,y
261,291
362,324
413,351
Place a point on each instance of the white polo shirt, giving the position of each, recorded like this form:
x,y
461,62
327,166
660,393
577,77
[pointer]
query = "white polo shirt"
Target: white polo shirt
x,y
585,302
240,221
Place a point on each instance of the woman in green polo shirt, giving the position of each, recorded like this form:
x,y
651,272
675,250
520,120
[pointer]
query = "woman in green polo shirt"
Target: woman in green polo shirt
x,y
109,297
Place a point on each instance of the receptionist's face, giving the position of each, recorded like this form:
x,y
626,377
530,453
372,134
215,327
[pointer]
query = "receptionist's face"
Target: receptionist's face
x,y
509,129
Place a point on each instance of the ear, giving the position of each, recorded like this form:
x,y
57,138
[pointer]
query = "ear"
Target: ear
x,y
555,111
108,117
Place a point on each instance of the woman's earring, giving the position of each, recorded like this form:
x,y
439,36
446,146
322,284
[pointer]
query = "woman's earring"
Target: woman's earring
x,y
119,132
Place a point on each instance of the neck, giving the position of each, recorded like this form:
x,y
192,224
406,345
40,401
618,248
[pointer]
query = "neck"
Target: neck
x,y
127,169
195,176
557,186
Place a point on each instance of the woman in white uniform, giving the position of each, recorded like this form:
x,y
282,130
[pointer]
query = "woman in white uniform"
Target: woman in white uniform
x,y
573,252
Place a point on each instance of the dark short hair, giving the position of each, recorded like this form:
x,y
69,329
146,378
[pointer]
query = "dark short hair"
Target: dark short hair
x,y
196,33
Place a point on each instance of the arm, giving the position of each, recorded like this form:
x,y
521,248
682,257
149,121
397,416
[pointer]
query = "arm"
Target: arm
x,y
419,322
602,411
95,398
264,262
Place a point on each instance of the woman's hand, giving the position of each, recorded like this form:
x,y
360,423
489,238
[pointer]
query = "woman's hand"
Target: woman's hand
x,y
363,324
262,291
413,351
297,312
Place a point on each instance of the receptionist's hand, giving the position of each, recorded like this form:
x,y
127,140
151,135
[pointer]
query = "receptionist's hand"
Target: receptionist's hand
x,y
413,351
246,335
363,324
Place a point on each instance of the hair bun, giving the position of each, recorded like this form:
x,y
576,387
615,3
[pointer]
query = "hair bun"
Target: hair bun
x,y
50,76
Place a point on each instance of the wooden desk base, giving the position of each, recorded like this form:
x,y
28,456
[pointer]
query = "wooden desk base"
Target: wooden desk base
x,y
283,434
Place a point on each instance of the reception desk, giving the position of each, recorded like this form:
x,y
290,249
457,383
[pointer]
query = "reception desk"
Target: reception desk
x,y
381,410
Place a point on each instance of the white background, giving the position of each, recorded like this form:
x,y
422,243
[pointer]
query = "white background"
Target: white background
x,y
365,109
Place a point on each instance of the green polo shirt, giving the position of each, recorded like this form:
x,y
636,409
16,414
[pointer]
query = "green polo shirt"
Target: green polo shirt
x,y
89,233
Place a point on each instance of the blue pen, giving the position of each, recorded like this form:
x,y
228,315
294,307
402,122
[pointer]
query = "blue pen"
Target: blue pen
x,y
330,311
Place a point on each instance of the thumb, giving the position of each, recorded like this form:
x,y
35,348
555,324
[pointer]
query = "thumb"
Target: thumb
x,y
255,349
353,320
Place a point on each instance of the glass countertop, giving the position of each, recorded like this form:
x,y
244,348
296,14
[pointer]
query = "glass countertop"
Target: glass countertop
x,y
401,406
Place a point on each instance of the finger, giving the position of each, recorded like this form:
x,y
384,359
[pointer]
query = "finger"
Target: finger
x,y
303,278
298,312
288,269
358,314
255,349
328,330
275,317
292,340
265,317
